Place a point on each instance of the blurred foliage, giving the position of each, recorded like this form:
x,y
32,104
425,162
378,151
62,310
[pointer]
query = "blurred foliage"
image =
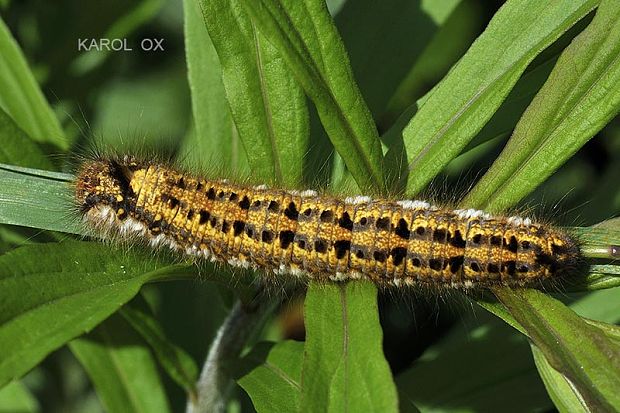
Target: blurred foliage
x,y
445,353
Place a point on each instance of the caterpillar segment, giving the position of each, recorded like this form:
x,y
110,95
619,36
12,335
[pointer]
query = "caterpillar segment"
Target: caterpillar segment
x,y
314,236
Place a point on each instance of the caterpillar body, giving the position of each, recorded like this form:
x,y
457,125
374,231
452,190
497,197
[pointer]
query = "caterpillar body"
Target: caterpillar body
x,y
313,236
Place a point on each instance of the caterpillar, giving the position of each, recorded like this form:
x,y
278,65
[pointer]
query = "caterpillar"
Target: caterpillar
x,y
313,236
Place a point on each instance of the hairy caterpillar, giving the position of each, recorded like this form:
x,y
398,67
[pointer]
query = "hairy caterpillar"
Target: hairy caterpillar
x,y
319,237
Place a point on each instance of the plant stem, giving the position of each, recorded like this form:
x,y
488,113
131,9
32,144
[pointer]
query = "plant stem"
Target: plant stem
x,y
216,380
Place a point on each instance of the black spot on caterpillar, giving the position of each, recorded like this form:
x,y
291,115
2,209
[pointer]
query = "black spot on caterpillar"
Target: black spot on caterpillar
x,y
311,236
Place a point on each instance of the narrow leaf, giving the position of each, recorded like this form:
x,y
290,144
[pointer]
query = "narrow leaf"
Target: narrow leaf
x,y
600,305
576,101
501,123
382,54
21,97
123,370
177,363
582,353
467,97
564,396
344,368
46,196
16,398
305,35
268,106
215,139
579,98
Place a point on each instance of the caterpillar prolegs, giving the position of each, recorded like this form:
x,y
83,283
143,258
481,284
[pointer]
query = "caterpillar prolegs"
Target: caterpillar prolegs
x,y
313,236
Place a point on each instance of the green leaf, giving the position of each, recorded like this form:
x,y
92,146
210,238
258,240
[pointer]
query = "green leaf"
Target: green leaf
x,y
17,148
575,102
611,331
601,277
451,40
37,199
123,370
16,398
21,97
177,363
602,305
305,35
475,373
508,114
344,368
563,395
578,99
268,106
581,352
387,52
274,382
467,97
51,293
215,139
501,123
596,242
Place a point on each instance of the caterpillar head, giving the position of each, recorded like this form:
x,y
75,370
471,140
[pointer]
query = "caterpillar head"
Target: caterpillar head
x,y
561,254
102,185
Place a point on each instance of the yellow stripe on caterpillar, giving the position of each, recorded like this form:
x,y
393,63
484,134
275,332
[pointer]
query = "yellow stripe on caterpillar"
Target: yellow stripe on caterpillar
x,y
312,236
